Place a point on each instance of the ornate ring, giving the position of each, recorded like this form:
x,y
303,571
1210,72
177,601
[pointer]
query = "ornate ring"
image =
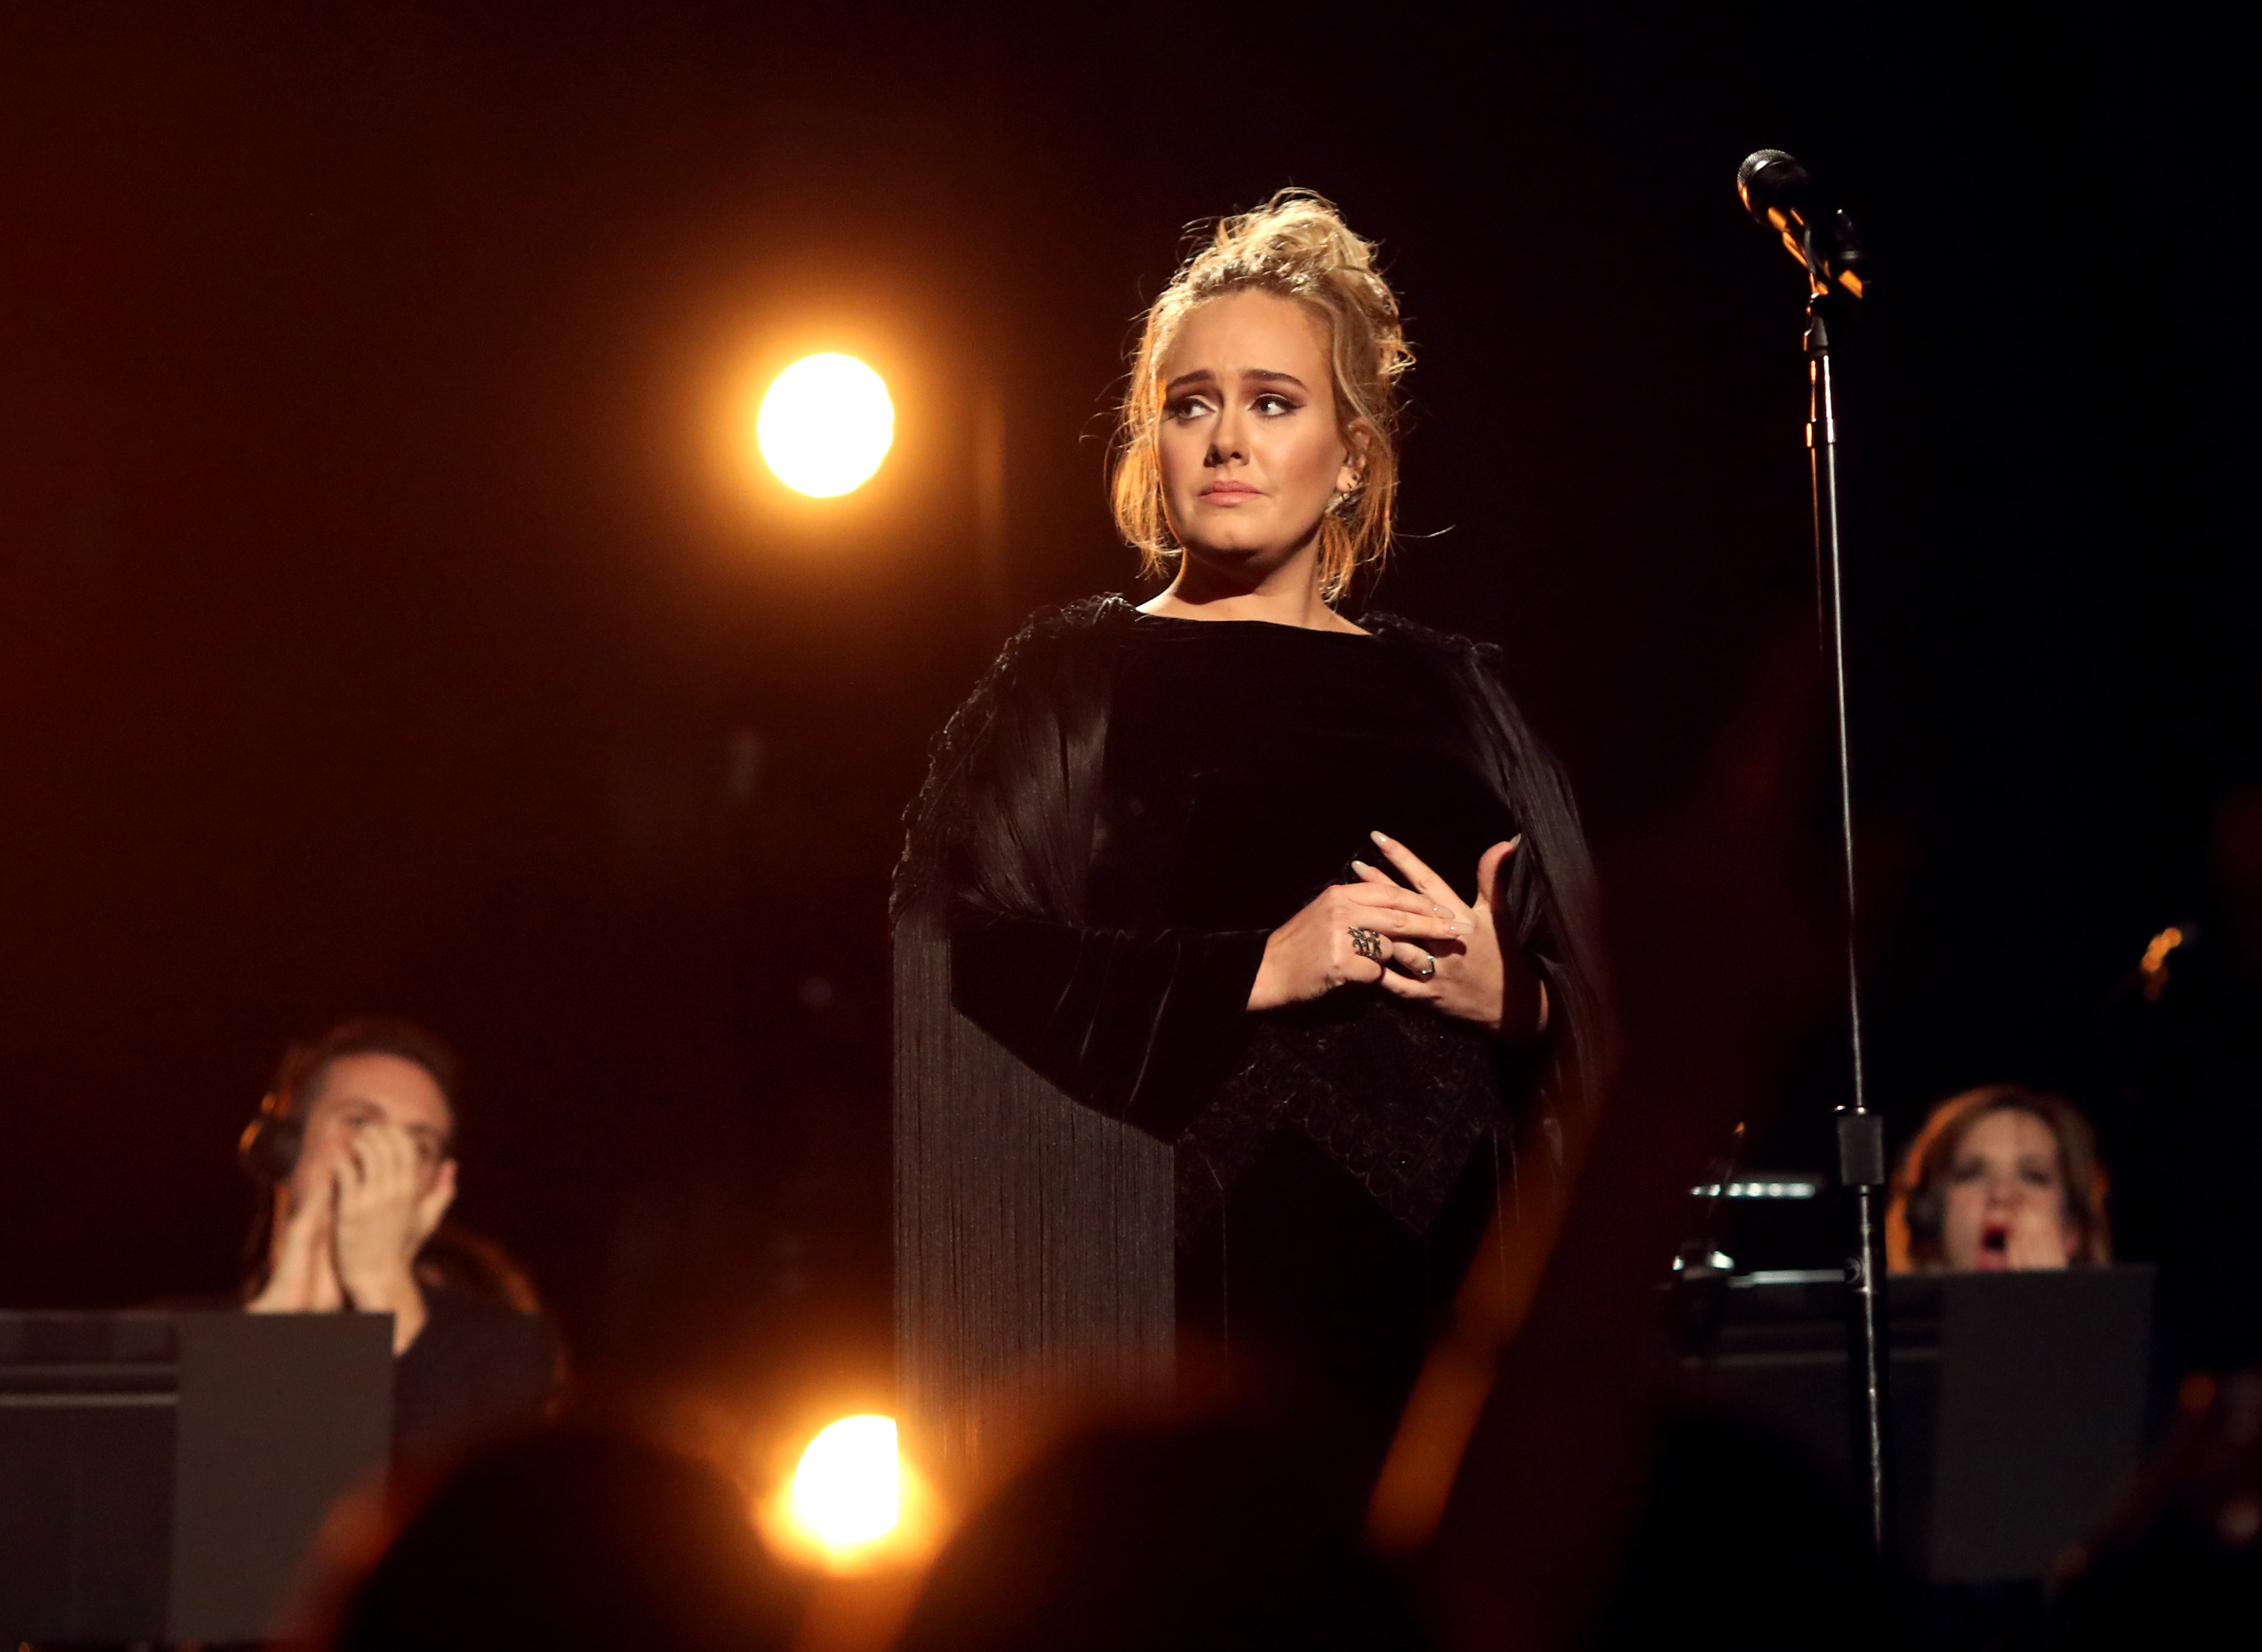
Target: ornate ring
x,y
1367,943
1429,968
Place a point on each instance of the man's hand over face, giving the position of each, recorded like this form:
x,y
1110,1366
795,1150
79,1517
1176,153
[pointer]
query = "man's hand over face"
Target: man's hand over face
x,y
301,1278
384,1212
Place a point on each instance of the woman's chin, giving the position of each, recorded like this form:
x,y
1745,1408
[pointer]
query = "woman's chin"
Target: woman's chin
x,y
1245,536
1250,563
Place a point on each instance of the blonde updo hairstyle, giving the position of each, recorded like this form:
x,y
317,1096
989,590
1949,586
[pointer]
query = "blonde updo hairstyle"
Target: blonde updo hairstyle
x,y
1296,246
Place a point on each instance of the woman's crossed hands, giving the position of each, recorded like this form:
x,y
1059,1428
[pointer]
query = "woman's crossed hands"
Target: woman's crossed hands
x,y
1422,943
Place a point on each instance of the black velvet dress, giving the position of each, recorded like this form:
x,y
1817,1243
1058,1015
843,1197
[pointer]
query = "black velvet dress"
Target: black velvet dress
x,y
1337,1162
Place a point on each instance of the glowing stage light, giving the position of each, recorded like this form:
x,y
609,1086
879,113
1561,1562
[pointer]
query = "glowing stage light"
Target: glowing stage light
x,y
848,1489
825,424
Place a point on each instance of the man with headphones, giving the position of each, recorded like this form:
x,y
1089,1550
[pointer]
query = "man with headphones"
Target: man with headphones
x,y
355,1143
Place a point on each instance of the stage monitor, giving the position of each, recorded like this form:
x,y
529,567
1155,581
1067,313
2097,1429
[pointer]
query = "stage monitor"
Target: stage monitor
x,y
2018,1400
163,1474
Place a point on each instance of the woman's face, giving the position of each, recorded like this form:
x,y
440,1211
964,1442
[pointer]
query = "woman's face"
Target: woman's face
x,y
1251,454
2006,1205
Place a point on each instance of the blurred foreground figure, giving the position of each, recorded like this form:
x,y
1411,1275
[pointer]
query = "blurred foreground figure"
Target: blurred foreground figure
x,y
565,1541
2186,1134
1210,1536
356,1145
2181,1563
1541,1489
1999,1178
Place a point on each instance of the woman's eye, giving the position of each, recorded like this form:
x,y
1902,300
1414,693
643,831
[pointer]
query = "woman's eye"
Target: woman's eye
x,y
1188,407
1968,1171
1273,407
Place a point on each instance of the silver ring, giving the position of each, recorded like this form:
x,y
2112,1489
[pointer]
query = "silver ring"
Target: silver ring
x,y
1429,968
1367,943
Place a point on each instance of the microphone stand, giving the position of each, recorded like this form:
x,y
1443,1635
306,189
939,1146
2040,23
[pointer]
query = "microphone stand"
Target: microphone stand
x,y
1860,1133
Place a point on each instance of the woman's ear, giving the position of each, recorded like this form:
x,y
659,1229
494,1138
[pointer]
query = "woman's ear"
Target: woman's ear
x,y
1356,442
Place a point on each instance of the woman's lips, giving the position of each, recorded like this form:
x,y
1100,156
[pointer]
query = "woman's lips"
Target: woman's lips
x,y
1228,493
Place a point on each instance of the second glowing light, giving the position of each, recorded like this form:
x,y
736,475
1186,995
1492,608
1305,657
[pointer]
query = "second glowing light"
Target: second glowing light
x,y
848,1489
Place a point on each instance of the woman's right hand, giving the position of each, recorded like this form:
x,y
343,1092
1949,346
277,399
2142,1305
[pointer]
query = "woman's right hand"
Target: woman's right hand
x,y
1313,953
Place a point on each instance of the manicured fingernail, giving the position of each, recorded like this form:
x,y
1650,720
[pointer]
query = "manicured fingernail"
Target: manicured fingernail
x,y
1360,866
1379,838
1516,843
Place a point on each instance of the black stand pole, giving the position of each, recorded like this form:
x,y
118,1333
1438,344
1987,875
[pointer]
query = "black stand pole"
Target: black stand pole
x,y
1860,1133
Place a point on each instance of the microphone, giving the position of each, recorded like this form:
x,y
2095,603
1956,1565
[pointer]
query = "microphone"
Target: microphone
x,y
1780,195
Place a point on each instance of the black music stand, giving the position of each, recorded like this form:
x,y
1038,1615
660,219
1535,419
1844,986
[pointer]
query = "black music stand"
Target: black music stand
x,y
163,1474
2018,1401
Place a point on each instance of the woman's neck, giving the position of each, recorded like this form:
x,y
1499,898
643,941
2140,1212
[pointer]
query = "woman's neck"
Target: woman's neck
x,y
1289,596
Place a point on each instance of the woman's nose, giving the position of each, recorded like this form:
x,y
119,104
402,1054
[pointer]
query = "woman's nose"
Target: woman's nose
x,y
1225,442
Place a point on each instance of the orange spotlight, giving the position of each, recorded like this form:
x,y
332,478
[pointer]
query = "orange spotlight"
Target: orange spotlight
x,y
848,1487
852,1505
825,424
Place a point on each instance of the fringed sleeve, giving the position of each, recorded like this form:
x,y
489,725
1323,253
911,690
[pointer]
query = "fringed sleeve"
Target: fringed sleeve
x,y
1142,1027
1033,1259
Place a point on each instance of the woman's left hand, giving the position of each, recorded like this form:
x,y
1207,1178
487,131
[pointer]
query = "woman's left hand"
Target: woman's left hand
x,y
1477,978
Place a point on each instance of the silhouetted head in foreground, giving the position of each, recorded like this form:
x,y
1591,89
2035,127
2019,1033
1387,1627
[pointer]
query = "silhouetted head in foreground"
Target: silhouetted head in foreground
x,y
569,1540
1207,1536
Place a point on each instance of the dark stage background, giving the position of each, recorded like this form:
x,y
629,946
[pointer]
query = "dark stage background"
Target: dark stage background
x,y
389,624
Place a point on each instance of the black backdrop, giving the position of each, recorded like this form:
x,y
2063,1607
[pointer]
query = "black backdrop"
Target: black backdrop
x,y
389,622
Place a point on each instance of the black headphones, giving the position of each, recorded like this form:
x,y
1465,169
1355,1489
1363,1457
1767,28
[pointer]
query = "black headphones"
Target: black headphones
x,y
268,1150
1924,1210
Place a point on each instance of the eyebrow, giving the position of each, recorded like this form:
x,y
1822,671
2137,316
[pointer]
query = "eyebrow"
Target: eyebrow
x,y
1264,374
